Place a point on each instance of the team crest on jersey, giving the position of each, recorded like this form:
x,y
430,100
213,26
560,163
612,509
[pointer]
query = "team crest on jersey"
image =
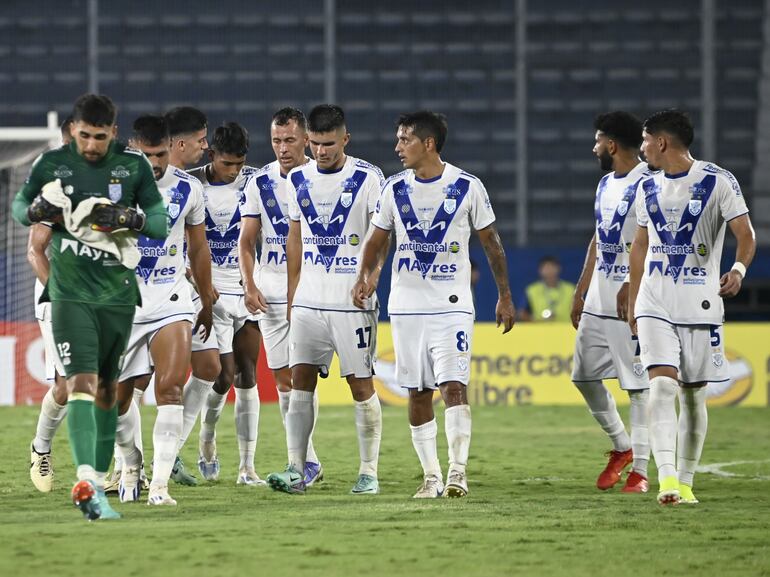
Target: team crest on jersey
x,y
115,192
346,199
173,210
450,205
623,207
63,171
695,207
120,172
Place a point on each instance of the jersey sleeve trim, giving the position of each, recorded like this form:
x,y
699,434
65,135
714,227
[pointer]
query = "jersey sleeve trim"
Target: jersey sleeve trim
x,y
729,218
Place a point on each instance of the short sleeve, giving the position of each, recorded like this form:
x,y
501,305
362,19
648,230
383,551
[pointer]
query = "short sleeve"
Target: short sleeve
x,y
373,188
147,194
732,204
291,200
252,206
481,213
197,213
383,209
642,218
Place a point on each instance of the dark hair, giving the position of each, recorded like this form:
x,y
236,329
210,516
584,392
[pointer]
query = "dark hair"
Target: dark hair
x,y
65,126
284,115
549,258
622,127
325,118
185,120
94,109
151,129
230,138
673,122
425,124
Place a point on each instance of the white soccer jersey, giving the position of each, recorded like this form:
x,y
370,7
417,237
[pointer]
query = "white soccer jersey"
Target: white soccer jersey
x,y
266,200
432,221
615,214
161,271
333,209
685,216
223,225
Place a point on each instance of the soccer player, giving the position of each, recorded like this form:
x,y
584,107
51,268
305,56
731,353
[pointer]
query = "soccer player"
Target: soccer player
x,y
161,336
431,207
265,217
331,199
605,347
224,179
92,293
675,297
188,128
54,406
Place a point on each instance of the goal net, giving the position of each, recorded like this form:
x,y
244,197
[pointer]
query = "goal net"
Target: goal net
x,y
22,366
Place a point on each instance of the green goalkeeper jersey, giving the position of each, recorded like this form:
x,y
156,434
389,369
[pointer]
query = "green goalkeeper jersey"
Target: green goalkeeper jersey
x,y
78,272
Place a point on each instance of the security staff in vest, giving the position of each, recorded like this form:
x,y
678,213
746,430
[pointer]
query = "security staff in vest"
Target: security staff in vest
x,y
550,298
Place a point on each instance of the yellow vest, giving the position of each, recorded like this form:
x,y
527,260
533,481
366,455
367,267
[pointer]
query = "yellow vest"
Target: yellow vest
x,y
550,304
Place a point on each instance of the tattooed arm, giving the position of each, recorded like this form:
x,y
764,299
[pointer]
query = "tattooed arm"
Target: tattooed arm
x,y
504,311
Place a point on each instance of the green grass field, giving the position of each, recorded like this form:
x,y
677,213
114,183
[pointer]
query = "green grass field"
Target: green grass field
x,y
532,508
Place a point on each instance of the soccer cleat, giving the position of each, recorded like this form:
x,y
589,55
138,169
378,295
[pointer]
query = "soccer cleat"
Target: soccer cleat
x,y
290,481
456,485
314,472
618,461
130,487
144,482
635,483
180,475
84,498
686,495
431,488
112,483
107,511
248,476
366,485
41,470
668,493
160,496
208,462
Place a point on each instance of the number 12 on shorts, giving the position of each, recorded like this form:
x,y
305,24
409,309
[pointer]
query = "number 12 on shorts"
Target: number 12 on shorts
x,y
364,337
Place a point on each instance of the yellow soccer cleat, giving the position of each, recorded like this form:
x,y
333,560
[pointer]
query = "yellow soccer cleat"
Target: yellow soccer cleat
x,y
686,495
669,491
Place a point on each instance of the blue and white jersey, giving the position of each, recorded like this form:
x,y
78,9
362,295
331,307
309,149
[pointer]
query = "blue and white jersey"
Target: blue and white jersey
x,y
333,209
615,215
224,202
685,216
161,271
432,220
266,200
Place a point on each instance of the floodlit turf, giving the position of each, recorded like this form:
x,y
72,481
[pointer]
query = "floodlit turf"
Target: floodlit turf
x,y
532,509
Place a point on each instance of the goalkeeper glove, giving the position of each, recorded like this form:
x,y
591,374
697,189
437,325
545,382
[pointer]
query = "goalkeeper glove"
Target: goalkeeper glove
x,y
116,218
41,209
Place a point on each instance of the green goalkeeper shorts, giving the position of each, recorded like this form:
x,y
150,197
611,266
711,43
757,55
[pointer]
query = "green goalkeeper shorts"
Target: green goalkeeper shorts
x,y
91,338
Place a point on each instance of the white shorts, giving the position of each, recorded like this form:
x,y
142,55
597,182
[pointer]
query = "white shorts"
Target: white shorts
x,y
432,349
606,349
52,363
315,335
275,335
696,351
137,360
230,315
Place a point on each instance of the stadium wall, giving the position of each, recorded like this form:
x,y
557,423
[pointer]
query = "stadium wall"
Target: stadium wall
x,y
530,366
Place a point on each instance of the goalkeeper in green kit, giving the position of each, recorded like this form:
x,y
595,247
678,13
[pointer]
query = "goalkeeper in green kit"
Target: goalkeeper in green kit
x,y
89,190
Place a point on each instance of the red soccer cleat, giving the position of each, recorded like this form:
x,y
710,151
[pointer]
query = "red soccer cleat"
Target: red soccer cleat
x,y
84,498
619,460
635,483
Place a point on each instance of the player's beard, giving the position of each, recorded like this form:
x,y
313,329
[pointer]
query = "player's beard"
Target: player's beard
x,y
605,161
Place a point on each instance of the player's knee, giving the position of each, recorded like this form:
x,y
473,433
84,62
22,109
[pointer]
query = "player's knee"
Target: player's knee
x,y
454,394
106,396
283,381
361,389
59,390
206,367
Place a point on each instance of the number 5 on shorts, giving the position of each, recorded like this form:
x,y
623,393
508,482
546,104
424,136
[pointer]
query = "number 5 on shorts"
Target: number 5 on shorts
x,y
364,337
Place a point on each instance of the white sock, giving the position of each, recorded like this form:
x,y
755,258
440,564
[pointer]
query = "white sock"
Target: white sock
x,y
603,408
424,441
311,455
124,439
51,415
210,415
640,437
663,425
457,425
194,396
693,422
86,473
283,404
299,424
369,427
247,424
138,393
165,440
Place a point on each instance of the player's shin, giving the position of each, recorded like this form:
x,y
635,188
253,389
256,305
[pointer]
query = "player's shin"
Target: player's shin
x,y
165,440
369,427
693,423
299,424
106,424
138,394
457,425
247,424
210,416
194,396
81,424
603,408
311,454
126,439
640,438
424,442
51,416
663,424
